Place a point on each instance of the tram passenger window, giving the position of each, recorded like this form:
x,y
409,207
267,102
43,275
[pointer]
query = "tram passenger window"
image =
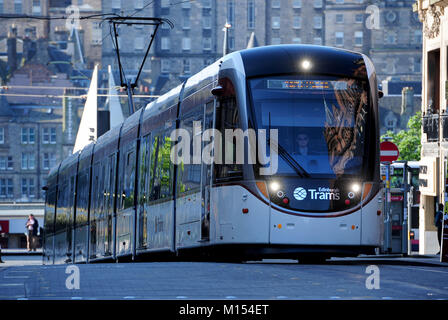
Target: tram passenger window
x,y
129,180
82,197
144,172
190,173
95,191
49,211
161,169
227,118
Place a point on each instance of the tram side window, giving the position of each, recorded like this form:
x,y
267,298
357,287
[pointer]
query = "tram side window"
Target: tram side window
x,y
95,191
227,118
61,216
110,184
144,169
49,211
82,198
161,168
190,174
127,177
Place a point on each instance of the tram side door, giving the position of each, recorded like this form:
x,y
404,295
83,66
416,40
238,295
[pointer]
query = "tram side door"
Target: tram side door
x,y
206,176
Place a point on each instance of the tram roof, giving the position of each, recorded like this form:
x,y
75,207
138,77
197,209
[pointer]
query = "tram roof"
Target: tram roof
x,y
288,59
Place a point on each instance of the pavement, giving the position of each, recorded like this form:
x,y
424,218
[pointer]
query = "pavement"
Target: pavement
x,y
399,277
19,252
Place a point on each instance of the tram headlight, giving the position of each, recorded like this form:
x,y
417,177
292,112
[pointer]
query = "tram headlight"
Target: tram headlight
x,y
356,187
274,186
306,64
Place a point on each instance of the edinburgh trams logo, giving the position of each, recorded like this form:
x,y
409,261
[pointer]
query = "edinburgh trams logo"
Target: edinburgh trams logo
x,y
320,193
300,193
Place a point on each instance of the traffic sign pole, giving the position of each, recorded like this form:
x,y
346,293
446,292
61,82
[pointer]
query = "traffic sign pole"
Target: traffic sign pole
x,y
387,222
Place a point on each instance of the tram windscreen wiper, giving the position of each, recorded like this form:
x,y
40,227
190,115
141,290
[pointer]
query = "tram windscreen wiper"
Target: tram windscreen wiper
x,y
290,160
286,156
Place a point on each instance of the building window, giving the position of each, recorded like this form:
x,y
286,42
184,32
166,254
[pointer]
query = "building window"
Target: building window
x,y
48,161
6,188
296,40
339,38
359,18
207,44
36,7
165,66
18,6
275,22
250,14
317,4
297,22
165,43
45,135
28,135
433,81
339,18
207,4
275,3
317,22
186,22
186,44
116,4
28,161
49,135
10,163
339,1
2,135
6,163
28,187
207,22
186,66
358,38
296,4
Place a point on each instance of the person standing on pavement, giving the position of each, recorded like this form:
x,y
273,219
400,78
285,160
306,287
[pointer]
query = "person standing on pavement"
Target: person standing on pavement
x,y
31,227
438,222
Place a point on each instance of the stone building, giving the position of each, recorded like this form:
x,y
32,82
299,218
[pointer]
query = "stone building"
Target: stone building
x,y
434,154
387,31
54,30
9,8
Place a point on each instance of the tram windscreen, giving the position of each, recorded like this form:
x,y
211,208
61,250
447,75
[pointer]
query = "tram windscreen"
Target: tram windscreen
x,y
321,122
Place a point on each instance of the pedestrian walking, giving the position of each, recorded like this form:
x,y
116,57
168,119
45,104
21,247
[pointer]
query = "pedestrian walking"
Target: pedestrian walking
x,y
31,227
438,222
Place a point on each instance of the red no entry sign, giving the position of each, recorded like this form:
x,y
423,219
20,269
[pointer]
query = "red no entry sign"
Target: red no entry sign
x,y
388,152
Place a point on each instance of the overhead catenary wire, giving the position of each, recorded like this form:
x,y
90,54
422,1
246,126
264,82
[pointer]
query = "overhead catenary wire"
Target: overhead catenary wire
x,y
73,96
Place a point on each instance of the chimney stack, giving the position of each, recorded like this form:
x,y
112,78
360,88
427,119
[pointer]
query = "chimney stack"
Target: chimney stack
x,y
12,48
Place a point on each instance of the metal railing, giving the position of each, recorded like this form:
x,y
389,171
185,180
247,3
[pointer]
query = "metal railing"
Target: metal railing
x,y
430,125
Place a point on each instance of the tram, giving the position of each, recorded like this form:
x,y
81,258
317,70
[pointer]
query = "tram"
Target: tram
x,y
312,192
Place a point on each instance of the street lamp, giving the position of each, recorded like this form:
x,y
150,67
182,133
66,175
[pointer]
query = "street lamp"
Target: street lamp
x,y
225,45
